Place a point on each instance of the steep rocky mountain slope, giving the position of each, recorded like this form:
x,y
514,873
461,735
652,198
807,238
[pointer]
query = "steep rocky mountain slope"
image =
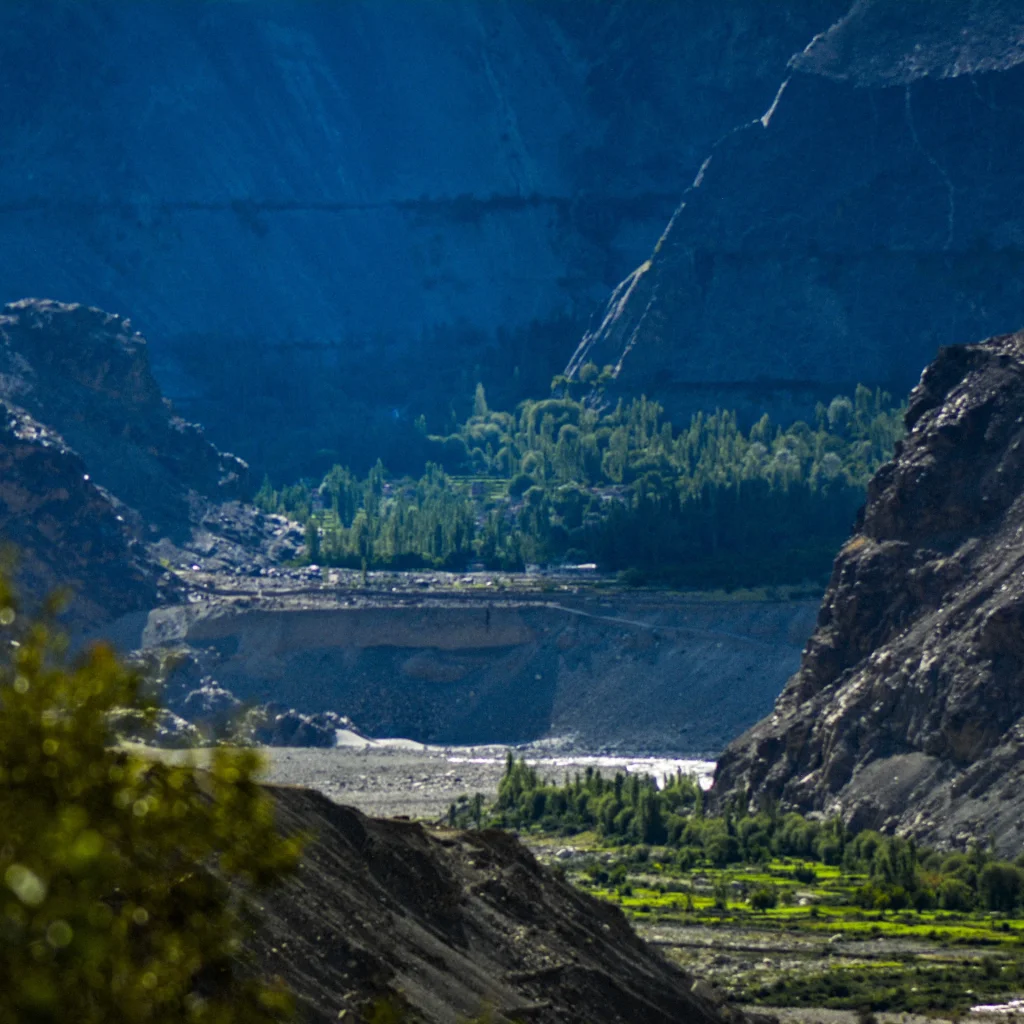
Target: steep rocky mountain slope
x,y
68,532
457,923
908,712
85,374
868,217
101,480
276,190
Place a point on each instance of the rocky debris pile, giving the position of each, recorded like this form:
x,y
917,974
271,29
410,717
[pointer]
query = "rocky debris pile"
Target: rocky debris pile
x,y
183,684
233,537
67,531
210,704
451,924
907,713
280,728
165,729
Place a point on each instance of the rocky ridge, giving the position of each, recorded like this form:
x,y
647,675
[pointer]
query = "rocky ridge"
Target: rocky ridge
x,y
66,531
454,924
907,712
86,374
104,487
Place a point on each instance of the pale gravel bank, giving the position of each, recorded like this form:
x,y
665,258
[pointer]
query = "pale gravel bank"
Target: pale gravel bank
x,y
400,778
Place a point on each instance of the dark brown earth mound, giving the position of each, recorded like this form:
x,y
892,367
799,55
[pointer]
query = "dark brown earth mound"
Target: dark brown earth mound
x,y
85,374
456,923
908,710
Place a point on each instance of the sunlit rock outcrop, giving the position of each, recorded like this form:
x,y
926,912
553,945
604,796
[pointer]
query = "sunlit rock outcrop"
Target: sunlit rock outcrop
x,y
907,712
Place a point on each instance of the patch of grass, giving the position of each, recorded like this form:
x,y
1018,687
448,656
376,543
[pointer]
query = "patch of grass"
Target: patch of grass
x,y
891,986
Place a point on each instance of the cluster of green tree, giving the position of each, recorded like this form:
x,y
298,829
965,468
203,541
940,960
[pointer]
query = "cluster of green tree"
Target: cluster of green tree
x,y
633,809
900,988
377,523
561,480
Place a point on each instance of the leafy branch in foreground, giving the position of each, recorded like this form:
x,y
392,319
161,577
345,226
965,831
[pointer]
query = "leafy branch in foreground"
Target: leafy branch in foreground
x,y
123,880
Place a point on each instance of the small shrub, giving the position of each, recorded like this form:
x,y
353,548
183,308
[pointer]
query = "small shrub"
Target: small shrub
x,y
764,897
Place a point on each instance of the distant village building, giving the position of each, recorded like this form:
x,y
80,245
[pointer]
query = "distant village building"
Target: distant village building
x,y
585,569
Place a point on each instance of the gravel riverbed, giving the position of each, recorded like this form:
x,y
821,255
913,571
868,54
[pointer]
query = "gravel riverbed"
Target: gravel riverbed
x,y
395,778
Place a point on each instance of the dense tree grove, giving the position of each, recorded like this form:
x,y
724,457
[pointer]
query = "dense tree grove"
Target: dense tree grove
x,y
632,810
561,480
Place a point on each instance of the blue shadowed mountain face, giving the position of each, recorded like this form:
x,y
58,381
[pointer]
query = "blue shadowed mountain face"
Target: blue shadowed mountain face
x,y
870,216
331,218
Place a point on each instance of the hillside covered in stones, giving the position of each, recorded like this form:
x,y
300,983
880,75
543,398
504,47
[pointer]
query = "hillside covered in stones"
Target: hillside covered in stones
x,y
455,924
907,713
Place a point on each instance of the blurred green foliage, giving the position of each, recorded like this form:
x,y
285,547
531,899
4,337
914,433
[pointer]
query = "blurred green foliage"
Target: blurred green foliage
x,y
124,881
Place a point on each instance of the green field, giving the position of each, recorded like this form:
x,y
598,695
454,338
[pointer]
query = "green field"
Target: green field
x,y
820,948
776,908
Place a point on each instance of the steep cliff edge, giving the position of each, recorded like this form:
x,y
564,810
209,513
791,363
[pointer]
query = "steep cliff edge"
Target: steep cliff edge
x,y
101,480
66,531
637,672
276,190
907,712
868,217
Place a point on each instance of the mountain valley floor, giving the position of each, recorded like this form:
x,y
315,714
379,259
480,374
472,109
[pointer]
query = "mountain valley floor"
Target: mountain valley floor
x,y
399,778
840,964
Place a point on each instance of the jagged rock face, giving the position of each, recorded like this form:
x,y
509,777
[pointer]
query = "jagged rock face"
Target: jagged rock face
x,y
68,532
908,712
869,217
277,190
85,374
281,728
459,923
